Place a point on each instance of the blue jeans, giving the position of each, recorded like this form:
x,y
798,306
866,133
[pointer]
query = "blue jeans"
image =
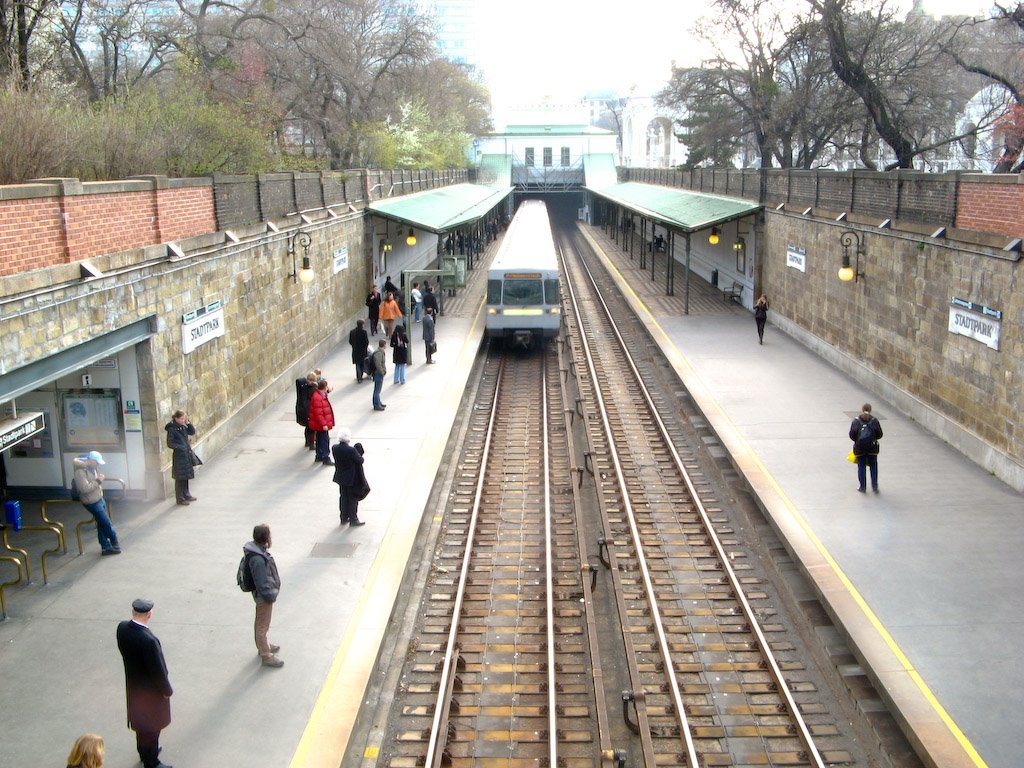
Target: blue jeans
x,y
104,530
323,445
865,462
378,382
399,373
417,311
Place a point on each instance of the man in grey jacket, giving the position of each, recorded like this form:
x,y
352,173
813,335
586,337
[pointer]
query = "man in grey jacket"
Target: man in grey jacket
x,y
89,485
268,583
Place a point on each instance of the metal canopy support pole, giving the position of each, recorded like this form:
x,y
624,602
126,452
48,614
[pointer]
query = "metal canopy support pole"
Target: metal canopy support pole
x,y
686,303
670,264
643,242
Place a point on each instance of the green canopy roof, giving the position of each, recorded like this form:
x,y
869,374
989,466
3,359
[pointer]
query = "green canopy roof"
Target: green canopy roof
x,y
677,208
444,209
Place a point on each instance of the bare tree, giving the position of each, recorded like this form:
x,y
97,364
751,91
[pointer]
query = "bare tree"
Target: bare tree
x,y
20,20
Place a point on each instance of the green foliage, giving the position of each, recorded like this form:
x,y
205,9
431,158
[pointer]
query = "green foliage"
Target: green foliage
x,y
418,140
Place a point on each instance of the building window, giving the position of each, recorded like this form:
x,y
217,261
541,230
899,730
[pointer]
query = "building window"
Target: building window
x,y
565,157
547,157
529,157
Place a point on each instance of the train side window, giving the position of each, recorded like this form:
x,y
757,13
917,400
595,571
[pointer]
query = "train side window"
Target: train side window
x,y
547,157
551,291
494,291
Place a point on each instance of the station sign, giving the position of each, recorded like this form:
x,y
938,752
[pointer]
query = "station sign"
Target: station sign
x,y
975,321
14,431
340,259
796,258
201,325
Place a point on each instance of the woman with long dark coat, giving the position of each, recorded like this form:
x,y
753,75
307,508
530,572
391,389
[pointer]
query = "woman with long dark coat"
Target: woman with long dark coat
x,y
183,460
400,344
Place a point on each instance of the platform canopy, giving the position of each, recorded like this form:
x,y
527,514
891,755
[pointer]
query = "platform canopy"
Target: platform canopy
x,y
678,209
448,208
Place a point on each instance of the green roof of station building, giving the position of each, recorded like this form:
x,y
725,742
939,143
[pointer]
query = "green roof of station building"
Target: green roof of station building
x,y
677,208
444,209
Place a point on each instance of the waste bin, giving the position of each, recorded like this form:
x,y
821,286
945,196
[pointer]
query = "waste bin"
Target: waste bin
x,y
12,514
714,277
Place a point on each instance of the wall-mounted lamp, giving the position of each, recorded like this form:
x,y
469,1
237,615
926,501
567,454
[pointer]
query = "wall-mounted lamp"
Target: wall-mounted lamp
x,y
411,239
715,236
304,240
846,272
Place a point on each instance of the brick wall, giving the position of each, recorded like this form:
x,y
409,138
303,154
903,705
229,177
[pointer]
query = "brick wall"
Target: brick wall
x,y
32,235
101,223
184,211
992,204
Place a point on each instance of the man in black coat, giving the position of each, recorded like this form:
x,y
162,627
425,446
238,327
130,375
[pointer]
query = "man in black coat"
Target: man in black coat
x,y
359,340
148,689
348,474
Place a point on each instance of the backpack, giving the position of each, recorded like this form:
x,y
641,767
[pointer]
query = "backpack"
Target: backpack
x,y
246,583
865,441
369,367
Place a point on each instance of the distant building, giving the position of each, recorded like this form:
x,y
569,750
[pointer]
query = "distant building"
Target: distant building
x,y
457,30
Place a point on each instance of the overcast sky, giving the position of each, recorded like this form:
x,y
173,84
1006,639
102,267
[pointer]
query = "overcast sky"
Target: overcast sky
x,y
564,48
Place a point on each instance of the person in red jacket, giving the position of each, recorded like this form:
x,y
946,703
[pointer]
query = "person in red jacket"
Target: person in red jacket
x,y
321,421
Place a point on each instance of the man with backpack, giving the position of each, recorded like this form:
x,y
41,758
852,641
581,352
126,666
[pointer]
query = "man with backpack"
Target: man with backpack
x,y
865,431
257,573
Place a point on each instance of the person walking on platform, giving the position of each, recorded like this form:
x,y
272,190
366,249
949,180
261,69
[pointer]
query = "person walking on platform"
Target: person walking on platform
x,y
266,583
183,460
321,421
380,368
348,474
389,313
761,316
865,431
373,309
430,347
400,356
360,343
148,689
89,485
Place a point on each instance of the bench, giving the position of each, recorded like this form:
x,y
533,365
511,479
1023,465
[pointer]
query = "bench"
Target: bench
x,y
735,293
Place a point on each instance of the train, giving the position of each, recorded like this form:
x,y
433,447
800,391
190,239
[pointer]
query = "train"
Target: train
x,y
523,303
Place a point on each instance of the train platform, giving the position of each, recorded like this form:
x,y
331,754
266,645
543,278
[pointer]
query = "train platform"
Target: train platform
x,y
60,670
922,578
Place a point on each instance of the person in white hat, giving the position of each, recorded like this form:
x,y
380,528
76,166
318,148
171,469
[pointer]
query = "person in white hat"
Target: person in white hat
x,y
89,484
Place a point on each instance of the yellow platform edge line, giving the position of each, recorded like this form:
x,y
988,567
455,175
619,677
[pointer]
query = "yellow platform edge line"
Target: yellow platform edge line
x,y
329,728
676,356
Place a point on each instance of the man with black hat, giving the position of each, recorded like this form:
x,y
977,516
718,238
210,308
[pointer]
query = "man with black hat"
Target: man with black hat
x,y
148,689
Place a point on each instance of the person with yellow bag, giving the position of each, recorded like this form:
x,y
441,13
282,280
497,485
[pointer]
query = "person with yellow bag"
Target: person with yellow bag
x,y
865,431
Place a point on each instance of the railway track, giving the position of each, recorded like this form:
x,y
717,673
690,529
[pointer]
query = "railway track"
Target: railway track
x,y
586,604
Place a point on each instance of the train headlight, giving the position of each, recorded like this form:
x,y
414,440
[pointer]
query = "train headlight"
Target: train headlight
x,y
493,311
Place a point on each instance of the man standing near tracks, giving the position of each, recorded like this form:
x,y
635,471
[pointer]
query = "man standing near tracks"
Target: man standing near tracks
x,y
266,583
380,367
149,691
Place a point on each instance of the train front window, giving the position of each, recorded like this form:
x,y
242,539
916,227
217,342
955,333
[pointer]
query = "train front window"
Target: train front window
x,y
521,293
551,292
494,291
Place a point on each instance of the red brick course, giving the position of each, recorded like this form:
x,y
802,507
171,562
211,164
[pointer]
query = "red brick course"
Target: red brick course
x,y
992,207
43,231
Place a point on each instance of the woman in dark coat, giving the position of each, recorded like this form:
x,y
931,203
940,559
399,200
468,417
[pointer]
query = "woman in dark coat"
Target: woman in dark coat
x,y
373,308
183,461
400,343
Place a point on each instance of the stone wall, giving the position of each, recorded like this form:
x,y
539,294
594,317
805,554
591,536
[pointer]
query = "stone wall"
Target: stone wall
x,y
275,328
889,328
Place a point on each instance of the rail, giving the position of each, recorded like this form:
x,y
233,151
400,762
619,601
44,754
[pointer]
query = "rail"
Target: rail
x,y
782,687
